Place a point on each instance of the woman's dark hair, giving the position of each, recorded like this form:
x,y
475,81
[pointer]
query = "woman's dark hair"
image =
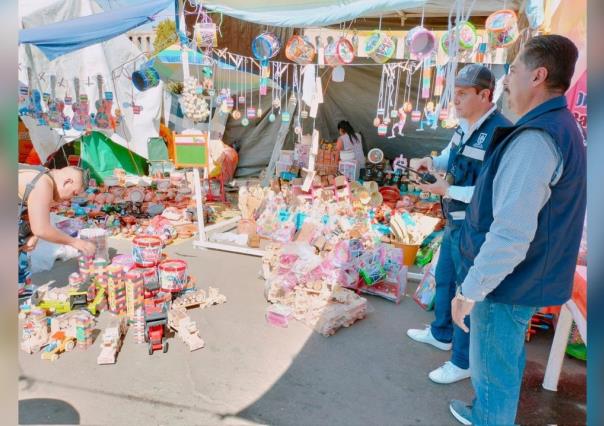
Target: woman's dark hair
x,y
345,125
557,54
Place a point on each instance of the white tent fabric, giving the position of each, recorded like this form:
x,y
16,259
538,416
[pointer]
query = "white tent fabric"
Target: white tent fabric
x,y
86,64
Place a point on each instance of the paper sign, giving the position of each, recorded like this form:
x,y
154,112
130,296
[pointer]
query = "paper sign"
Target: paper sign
x,y
321,57
191,150
314,108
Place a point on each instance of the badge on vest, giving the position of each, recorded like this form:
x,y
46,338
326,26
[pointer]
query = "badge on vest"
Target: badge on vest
x,y
480,142
473,153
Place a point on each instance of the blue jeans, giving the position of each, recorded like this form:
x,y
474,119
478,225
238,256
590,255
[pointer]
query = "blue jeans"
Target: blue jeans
x,y
442,327
497,357
24,272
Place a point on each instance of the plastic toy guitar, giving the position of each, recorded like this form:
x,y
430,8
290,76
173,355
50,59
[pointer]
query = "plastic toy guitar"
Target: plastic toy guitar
x,y
56,117
81,117
100,119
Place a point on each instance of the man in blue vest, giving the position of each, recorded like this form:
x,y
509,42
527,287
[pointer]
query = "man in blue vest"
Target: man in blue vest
x,y
462,160
520,239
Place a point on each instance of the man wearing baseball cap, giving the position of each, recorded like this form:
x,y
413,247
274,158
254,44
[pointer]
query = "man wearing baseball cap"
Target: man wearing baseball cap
x,y
461,160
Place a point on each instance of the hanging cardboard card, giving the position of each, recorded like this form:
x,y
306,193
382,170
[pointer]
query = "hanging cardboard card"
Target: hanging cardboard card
x,y
310,176
321,57
314,107
400,48
308,84
319,90
314,146
191,150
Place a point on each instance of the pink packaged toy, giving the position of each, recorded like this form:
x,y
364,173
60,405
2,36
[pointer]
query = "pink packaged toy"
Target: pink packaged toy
x,y
278,315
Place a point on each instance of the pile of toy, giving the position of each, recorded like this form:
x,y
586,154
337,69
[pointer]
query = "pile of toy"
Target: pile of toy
x,y
128,205
145,290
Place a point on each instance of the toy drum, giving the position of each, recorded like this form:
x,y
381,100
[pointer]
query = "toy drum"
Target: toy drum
x,y
145,78
379,47
266,46
502,28
416,116
467,37
146,250
299,50
251,113
382,129
420,41
173,275
339,52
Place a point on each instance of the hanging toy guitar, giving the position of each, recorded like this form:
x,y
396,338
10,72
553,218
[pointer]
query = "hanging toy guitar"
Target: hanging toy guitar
x,y
35,101
56,117
81,117
101,119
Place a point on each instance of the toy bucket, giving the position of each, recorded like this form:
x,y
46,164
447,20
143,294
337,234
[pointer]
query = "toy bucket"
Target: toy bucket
x,y
299,50
251,113
145,78
420,41
467,37
146,250
173,275
339,52
416,116
502,28
382,129
379,47
409,252
266,46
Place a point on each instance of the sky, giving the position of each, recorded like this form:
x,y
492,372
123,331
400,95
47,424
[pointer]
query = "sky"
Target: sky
x,y
114,4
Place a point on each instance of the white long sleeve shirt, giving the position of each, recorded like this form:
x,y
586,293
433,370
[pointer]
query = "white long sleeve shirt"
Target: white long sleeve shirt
x,y
440,163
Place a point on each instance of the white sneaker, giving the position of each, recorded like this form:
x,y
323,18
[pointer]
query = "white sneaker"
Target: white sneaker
x,y
425,336
449,373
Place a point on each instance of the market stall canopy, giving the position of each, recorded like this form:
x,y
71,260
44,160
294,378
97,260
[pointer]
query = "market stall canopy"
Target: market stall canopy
x,y
307,13
59,38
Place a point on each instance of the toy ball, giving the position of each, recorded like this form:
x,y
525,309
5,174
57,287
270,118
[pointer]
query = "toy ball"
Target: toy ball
x,y
245,122
407,107
236,115
377,121
271,117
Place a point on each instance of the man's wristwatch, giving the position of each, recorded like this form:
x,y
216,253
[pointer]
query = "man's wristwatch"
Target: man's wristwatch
x,y
460,296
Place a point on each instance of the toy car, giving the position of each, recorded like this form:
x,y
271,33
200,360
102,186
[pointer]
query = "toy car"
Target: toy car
x,y
156,320
58,343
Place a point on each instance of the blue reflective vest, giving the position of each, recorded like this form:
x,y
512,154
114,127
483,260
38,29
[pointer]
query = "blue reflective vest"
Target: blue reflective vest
x,y
466,159
545,276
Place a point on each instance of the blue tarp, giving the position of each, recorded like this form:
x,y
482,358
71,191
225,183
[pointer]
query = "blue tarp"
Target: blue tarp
x,y
64,37
306,13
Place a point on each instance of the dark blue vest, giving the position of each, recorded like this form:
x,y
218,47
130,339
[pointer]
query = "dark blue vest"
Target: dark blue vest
x,y
466,158
545,276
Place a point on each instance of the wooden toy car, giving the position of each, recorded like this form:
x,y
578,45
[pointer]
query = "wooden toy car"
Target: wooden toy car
x,y
156,319
59,343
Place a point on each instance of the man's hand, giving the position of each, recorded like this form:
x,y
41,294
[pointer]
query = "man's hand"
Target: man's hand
x,y
421,164
439,187
87,248
30,244
460,308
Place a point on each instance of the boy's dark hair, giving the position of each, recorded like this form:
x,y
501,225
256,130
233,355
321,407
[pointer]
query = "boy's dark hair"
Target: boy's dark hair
x,y
555,53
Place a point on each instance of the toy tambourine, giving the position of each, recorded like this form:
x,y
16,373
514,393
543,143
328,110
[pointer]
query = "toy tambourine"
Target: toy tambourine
x,y
502,28
379,47
467,37
266,46
420,41
339,52
299,50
